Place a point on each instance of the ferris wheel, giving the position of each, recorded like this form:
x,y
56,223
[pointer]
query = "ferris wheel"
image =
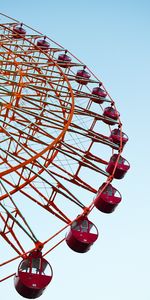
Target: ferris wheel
x,y
61,144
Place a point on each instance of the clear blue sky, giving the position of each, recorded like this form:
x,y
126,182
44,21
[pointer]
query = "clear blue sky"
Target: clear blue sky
x,y
112,38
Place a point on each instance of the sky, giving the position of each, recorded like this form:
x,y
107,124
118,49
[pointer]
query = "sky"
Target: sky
x,y
112,38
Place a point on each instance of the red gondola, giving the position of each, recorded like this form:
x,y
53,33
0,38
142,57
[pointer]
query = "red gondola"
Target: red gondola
x,y
82,235
82,77
117,135
43,44
33,276
18,32
121,169
111,113
107,200
99,94
64,60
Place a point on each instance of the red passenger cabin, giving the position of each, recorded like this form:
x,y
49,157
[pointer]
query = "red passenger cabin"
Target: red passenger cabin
x,y
18,32
98,94
107,198
117,135
43,45
82,77
82,235
110,113
64,60
121,168
33,276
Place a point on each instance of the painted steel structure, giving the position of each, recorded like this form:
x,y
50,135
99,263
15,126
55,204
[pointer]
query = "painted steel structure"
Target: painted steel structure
x,y
56,119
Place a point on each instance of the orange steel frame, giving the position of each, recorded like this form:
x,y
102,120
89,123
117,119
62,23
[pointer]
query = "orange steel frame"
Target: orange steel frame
x,y
39,77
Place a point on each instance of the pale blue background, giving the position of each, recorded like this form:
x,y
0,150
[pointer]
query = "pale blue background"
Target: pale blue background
x,y
112,38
